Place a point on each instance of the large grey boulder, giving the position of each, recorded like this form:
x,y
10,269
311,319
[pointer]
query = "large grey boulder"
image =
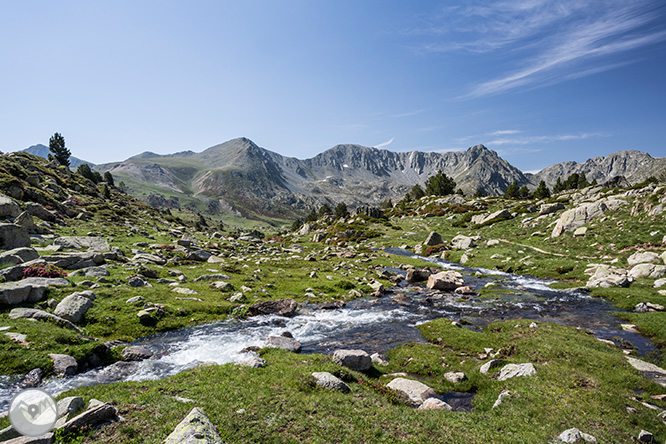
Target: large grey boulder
x,y
583,214
551,208
497,216
40,212
27,290
643,257
280,307
198,255
416,392
13,236
461,242
91,243
196,428
605,276
514,370
75,306
8,208
18,256
75,261
357,360
63,365
330,382
416,275
433,239
285,343
445,280
149,258
647,270
136,353
41,315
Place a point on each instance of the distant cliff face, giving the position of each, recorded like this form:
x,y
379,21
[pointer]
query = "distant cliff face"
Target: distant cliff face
x,y
250,179
635,166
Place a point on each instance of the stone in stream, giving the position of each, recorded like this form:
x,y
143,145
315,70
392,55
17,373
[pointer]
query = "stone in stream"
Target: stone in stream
x,y
330,382
195,428
75,306
575,436
63,365
417,275
33,378
357,360
280,307
515,370
445,280
136,353
285,343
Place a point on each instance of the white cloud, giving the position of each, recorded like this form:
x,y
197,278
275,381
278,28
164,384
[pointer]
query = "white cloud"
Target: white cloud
x,y
383,144
542,139
503,132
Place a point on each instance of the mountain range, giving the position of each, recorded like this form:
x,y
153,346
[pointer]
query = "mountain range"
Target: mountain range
x,y
43,151
240,177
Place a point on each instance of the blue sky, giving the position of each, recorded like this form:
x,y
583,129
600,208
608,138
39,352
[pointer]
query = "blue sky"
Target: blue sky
x,y
538,81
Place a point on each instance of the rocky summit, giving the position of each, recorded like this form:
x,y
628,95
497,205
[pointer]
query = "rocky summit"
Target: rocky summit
x,y
436,318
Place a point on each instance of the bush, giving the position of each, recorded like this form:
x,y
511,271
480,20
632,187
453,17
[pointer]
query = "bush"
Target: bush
x,y
45,271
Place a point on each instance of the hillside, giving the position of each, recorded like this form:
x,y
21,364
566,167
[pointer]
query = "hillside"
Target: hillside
x,y
43,151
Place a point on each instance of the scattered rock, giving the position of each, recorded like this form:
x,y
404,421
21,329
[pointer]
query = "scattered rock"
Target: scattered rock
x,y
647,437
434,404
647,270
491,218
465,290
433,239
445,280
515,370
91,272
75,306
68,408
97,413
654,372
63,365
500,398
280,307
285,343
27,290
492,364
195,428
357,360
137,282
330,382
149,258
198,255
605,276
576,436
13,236
461,242
378,359
417,275
136,353
41,315
643,257
18,256
253,362
455,377
550,208
417,392
222,286
183,290
136,300
580,232
96,244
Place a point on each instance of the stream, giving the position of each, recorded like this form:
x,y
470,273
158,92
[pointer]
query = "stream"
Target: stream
x,y
371,324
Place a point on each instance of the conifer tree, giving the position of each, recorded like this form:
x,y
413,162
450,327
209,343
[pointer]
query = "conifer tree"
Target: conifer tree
x,y
440,185
542,191
57,147
512,190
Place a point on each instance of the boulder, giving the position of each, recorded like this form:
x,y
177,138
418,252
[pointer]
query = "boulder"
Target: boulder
x,y
445,280
643,257
149,258
550,208
646,437
8,208
253,362
198,255
33,378
416,392
195,428
211,277
493,363
25,220
75,306
357,360
97,413
91,243
575,436
18,256
605,276
461,242
137,282
330,382
27,290
40,212
580,232
497,216
514,370
583,214
455,377
91,272
136,353
13,236
68,408
647,270
63,365
285,343
40,315
416,275
434,404
75,261
433,239
221,285
280,307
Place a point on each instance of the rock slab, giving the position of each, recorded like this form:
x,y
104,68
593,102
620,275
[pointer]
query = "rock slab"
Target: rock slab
x,y
195,428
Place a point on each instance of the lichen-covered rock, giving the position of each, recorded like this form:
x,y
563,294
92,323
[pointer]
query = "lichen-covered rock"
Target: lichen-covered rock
x,y
417,392
196,428
643,257
92,244
550,208
136,353
27,290
41,315
285,343
330,382
575,436
357,360
435,404
605,276
75,306
445,280
514,370
8,208
647,270
461,242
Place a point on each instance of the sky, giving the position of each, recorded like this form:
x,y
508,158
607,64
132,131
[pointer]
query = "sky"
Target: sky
x,y
538,81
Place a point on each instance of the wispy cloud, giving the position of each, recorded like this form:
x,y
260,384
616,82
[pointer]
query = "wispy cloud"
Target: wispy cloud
x,y
408,113
527,140
550,40
383,144
503,132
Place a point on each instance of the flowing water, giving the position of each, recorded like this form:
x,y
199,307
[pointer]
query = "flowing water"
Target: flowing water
x,y
371,324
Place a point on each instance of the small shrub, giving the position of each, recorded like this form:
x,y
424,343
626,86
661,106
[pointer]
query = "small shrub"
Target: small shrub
x,y
45,271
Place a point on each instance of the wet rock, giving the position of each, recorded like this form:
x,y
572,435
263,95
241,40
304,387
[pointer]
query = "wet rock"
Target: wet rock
x,y
63,365
465,290
285,343
8,208
491,218
330,382
90,243
643,257
433,239
417,275
136,353
13,236
434,404
75,306
357,360
647,270
33,378
514,370
445,280
461,242
455,377
41,315
280,307
195,428
415,391
27,290
575,436
377,288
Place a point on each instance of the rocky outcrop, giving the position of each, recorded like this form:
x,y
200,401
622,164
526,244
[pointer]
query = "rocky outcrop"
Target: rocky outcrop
x,y
482,219
647,270
90,243
643,257
13,236
8,208
586,212
194,428
606,276
27,290
40,315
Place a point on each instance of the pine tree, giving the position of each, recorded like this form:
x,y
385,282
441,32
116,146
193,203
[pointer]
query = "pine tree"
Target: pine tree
x,y
108,178
57,147
542,191
524,192
341,211
439,185
312,217
559,186
416,192
512,191
325,210
582,181
85,171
